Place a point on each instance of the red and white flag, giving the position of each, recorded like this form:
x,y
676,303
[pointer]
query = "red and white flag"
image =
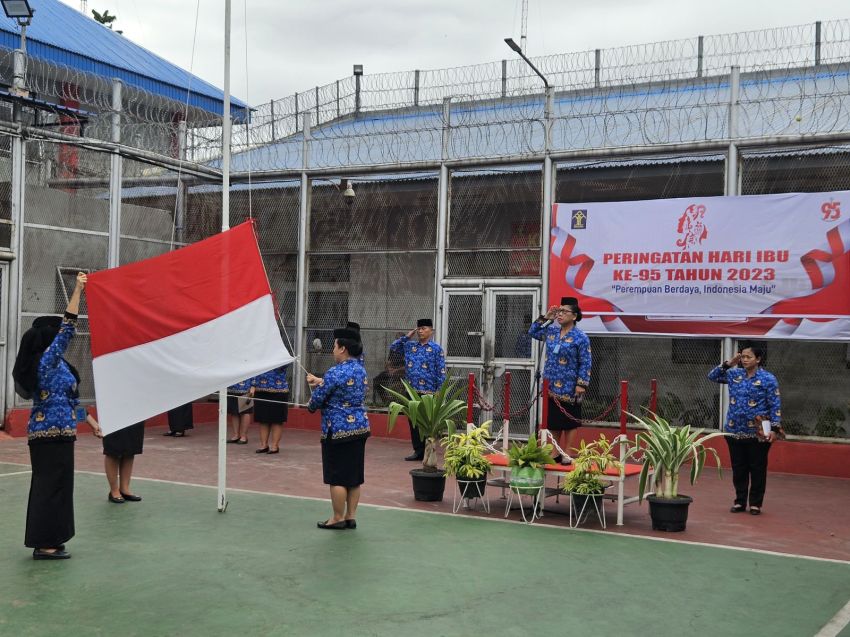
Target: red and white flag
x,y
167,330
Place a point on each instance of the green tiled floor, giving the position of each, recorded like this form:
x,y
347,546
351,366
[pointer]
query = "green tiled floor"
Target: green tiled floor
x,y
173,565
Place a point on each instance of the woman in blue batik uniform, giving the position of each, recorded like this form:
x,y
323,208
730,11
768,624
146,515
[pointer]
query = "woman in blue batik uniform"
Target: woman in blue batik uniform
x,y
567,369
270,390
753,398
42,372
340,394
239,411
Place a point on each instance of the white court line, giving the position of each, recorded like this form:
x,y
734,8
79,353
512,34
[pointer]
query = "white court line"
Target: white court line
x,y
385,507
14,473
838,623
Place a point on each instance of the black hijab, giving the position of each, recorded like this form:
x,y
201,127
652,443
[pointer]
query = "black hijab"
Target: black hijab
x,y
34,343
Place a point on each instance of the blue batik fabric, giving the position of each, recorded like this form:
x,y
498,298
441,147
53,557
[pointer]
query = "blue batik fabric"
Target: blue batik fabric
x,y
55,398
273,381
568,359
241,387
749,397
425,363
340,397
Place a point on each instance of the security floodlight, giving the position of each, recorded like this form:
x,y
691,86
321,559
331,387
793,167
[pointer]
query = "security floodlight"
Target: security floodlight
x,y
510,42
18,9
358,69
348,193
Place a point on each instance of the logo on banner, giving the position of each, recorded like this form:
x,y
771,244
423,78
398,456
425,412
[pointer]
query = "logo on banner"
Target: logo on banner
x,y
578,220
831,210
692,227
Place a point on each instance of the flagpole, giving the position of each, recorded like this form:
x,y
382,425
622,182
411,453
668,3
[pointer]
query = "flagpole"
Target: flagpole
x,y
225,225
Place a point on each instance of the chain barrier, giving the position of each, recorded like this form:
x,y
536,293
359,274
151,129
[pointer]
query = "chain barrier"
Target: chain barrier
x,y
587,420
486,406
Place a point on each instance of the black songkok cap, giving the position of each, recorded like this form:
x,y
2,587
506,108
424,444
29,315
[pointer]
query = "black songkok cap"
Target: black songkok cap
x,y
344,332
353,326
424,323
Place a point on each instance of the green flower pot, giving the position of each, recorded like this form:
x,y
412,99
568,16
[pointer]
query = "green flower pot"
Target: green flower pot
x,y
527,480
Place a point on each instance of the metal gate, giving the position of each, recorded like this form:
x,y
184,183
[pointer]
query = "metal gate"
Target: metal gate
x,y
486,333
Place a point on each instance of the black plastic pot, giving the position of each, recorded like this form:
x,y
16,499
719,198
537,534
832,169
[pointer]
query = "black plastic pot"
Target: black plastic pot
x,y
428,486
472,488
667,514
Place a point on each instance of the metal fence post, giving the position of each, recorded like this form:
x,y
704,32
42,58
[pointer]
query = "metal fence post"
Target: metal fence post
x,y
444,190
182,188
700,51
299,381
416,87
115,169
318,118
817,42
338,112
732,155
271,110
357,94
296,112
504,78
597,67
18,149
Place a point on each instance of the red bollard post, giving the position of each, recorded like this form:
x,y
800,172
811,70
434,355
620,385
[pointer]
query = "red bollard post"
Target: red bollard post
x,y
545,400
624,404
506,415
470,398
653,396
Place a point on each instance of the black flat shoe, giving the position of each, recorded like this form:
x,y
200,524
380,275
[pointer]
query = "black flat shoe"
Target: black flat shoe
x,y
235,441
263,450
414,457
179,434
170,433
40,554
131,498
737,508
336,526
755,510
239,441
116,500
351,524
271,451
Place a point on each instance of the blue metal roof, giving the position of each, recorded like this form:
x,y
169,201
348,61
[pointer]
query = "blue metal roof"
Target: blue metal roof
x,y
60,34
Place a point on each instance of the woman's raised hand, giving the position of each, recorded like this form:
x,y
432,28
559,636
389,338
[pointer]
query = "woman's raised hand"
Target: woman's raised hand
x,y
82,279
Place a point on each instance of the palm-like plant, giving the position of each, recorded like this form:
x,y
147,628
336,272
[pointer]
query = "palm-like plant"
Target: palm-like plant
x,y
464,455
665,449
431,414
531,454
589,465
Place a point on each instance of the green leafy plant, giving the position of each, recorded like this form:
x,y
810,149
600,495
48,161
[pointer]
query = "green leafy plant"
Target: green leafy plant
x,y
430,414
590,462
664,449
464,452
531,454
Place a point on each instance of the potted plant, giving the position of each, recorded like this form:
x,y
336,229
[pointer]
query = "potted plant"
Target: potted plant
x,y
526,463
585,481
664,449
464,459
431,414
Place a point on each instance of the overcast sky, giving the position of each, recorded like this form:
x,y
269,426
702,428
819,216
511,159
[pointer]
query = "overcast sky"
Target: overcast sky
x,y
295,45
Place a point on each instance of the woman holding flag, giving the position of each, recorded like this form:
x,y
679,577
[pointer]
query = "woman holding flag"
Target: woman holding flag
x,y
340,394
41,372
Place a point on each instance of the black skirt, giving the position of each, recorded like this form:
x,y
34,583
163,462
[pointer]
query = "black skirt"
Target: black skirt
x,y
343,462
125,442
269,408
180,418
558,421
50,511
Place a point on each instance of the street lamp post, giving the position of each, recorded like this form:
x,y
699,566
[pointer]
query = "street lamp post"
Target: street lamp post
x,y
516,47
21,11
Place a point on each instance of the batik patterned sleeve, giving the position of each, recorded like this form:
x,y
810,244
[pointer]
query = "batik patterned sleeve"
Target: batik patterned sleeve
x,y
398,344
719,375
441,366
537,331
774,402
322,392
51,357
585,362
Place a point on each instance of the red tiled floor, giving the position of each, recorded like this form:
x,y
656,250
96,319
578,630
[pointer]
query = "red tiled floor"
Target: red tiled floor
x,y
802,515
